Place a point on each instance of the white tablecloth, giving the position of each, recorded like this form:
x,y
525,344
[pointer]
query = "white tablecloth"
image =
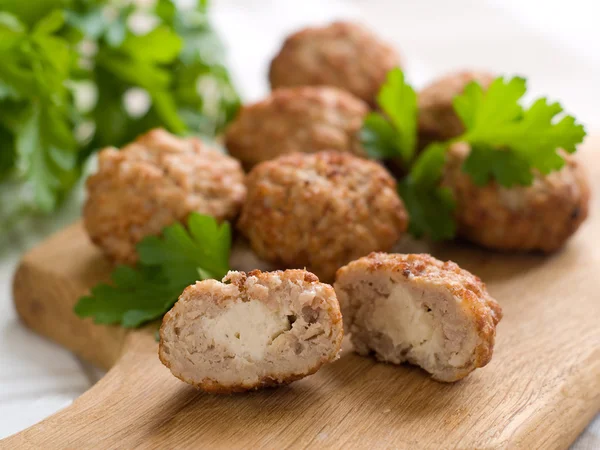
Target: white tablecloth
x,y
556,44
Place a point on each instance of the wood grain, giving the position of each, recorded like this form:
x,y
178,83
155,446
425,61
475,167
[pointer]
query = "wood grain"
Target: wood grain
x,y
540,390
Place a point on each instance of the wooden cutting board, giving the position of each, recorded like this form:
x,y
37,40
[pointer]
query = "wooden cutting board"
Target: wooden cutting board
x,y
540,390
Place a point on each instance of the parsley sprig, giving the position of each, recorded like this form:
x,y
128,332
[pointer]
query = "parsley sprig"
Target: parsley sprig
x,y
167,265
509,142
392,133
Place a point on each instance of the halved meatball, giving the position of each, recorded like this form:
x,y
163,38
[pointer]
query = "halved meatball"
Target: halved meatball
x,y
155,181
251,331
521,218
341,54
320,211
417,309
300,119
437,119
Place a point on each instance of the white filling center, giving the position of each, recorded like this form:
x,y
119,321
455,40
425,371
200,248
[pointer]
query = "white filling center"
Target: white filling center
x,y
246,329
403,319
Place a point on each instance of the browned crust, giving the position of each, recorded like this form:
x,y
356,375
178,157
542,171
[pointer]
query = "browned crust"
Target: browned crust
x,y
298,119
425,270
540,217
153,182
321,211
341,54
329,303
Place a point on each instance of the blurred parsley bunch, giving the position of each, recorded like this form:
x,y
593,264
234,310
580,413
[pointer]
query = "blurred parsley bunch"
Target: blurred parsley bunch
x,y
69,70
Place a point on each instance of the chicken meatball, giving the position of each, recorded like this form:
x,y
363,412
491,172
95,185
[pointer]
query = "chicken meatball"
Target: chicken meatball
x,y
300,119
417,309
320,210
341,54
521,218
153,182
251,331
437,119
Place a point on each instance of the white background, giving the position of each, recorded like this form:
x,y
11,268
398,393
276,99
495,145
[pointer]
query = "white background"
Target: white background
x,y
556,44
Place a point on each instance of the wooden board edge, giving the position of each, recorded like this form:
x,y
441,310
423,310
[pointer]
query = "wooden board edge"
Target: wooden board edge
x,y
30,287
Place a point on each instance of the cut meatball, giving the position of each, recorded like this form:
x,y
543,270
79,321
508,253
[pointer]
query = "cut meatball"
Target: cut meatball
x,y
521,218
251,331
320,211
341,54
155,181
301,119
417,309
437,119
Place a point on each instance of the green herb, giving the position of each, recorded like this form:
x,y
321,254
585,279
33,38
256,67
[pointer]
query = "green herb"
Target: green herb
x,y
508,143
429,205
66,70
392,133
167,265
37,141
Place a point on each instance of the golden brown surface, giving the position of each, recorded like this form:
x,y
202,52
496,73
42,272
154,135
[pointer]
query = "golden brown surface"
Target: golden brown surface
x,y
465,314
437,119
299,119
312,339
522,218
341,54
155,181
321,211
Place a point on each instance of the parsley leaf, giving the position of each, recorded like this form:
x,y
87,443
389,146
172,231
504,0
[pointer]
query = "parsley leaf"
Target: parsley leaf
x,y
139,61
495,106
485,164
180,252
201,84
30,12
430,206
508,141
136,296
393,133
7,152
378,137
167,265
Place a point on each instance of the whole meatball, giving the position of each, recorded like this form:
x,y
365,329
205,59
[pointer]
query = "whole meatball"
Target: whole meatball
x,y
537,217
300,119
437,119
320,210
341,54
155,181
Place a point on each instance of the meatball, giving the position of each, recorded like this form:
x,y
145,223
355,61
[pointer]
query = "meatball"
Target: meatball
x,y
341,54
437,119
523,218
320,211
153,182
251,331
417,309
300,119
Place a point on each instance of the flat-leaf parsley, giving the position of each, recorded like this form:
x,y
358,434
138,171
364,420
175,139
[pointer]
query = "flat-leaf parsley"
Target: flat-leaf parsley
x,y
167,265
